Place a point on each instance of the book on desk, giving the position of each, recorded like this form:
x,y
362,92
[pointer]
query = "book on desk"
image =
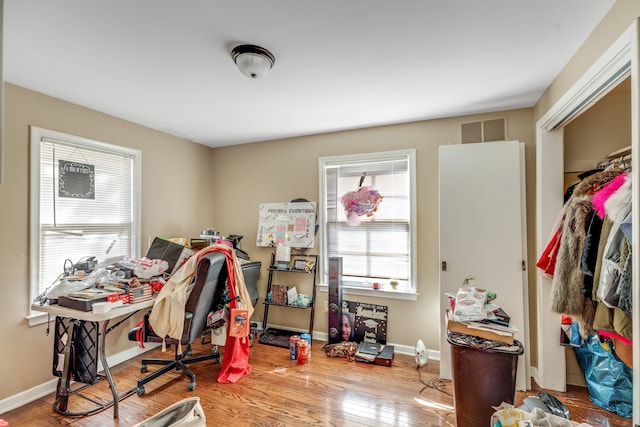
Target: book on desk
x,y
84,299
79,303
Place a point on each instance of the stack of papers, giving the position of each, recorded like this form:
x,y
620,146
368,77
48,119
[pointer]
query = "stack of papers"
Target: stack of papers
x,y
486,330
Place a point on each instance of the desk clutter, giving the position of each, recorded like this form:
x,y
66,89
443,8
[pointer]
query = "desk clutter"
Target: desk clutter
x,y
473,311
89,285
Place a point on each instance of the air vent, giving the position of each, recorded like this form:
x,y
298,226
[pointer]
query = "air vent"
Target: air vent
x,y
484,131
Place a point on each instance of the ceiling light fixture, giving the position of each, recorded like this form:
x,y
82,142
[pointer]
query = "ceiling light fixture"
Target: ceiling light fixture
x,y
253,61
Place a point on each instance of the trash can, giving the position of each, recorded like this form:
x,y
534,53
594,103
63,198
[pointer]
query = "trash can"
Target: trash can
x,y
484,375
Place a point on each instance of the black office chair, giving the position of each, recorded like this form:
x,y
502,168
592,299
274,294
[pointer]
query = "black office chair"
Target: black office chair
x,y
206,295
250,272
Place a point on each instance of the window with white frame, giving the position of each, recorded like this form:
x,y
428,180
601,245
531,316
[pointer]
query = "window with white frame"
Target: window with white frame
x,y
375,248
84,202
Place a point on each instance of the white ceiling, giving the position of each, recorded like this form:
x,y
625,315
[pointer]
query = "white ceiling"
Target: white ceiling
x,y
340,64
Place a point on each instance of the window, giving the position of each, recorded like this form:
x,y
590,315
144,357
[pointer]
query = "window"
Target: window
x,y
381,248
84,202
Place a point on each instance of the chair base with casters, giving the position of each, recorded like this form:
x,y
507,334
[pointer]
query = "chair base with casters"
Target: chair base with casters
x,y
179,362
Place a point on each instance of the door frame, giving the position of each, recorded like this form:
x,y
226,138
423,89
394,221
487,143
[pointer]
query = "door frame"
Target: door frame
x,y
617,63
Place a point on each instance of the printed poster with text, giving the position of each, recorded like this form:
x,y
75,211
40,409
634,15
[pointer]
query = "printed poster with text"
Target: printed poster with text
x,y
289,224
369,321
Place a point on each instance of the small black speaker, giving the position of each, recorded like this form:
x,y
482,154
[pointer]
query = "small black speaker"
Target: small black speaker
x,y
335,299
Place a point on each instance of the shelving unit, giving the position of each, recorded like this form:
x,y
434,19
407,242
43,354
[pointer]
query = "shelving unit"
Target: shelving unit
x,y
280,337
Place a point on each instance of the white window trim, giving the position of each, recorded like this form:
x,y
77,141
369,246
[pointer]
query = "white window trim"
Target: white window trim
x,y
350,290
36,136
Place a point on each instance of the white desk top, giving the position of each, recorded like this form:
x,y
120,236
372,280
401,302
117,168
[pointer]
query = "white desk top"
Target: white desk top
x,y
89,316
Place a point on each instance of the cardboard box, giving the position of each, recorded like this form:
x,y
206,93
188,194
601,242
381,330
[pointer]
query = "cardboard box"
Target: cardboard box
x,y
485,333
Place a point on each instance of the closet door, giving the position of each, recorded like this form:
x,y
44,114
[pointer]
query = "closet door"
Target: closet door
x,y
483,233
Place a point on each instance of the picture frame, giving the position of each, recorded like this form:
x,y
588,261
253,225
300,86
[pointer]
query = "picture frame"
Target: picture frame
x,y
302,263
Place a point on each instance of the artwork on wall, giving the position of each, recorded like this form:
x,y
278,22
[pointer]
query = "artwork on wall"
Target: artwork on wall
x,y
288,224
76,180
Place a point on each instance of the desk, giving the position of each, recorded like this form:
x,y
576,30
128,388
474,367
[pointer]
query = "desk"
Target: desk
x,y
63,389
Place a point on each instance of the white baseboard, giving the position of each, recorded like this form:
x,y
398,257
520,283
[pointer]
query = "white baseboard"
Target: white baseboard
x,y
399,348
42,390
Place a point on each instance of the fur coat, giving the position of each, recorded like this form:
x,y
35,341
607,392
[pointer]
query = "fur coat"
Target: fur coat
x,y
567,295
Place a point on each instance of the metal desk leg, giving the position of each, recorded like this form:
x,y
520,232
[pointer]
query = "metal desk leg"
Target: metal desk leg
x,y
63,389
64,382
107,371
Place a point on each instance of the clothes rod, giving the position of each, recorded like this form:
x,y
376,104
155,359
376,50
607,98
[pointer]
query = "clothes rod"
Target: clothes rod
x,y
621,152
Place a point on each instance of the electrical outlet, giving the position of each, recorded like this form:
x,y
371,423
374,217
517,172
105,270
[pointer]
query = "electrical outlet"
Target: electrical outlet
x,y
326,306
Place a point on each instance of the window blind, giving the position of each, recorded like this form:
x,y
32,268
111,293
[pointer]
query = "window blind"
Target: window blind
x,y
74,227
380,247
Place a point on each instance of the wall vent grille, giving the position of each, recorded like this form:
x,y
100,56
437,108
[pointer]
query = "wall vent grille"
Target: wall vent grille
x,y
484,131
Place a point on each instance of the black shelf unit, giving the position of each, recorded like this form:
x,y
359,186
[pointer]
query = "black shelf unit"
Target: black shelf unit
x,y
280,337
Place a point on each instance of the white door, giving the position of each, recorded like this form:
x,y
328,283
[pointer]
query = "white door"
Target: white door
x,y
483,233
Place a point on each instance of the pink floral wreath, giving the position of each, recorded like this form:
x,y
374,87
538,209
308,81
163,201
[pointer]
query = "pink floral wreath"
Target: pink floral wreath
x,y
363,201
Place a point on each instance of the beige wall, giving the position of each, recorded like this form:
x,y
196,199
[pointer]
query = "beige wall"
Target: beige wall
x,y
621,15
177,200
279,171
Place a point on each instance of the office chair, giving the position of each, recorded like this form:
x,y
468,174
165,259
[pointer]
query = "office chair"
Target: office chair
x,y
250,272
205,295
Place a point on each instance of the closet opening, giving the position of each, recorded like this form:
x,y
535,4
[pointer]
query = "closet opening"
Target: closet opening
x,y
598,139
597,117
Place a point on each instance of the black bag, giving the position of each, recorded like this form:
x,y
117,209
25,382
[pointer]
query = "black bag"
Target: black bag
x,y
83,349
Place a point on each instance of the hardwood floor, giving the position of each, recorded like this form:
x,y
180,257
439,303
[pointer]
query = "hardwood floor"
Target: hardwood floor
x,y
279,392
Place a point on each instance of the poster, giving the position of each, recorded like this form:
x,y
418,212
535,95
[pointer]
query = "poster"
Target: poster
x,y
368,321
289,224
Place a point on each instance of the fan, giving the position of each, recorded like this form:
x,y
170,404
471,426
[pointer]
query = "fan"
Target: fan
x,y
421,354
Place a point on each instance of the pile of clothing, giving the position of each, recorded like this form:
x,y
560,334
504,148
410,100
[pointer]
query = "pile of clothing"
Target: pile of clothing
x,y
589,254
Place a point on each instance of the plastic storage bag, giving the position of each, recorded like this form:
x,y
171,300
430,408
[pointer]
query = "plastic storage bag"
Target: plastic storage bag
x,y
609,380
184,413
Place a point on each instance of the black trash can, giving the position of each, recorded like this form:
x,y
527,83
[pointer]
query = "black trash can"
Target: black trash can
x,y
484,375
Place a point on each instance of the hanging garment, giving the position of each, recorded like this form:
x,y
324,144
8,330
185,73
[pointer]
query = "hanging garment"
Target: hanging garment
x,y
601,196
613,320
604,235
568,281
625,225
235,360
547,260
590,252
167,314
567,284
625,288
617,206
